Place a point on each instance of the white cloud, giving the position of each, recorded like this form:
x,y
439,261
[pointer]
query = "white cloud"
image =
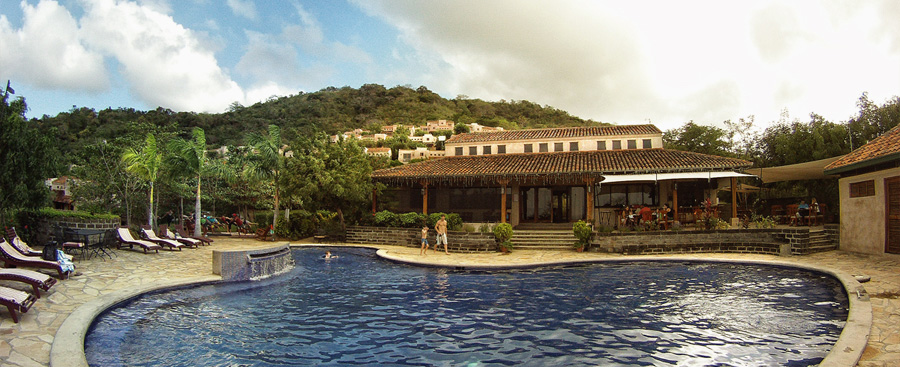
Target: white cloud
x,y
56,59
246,9
615,61
163,62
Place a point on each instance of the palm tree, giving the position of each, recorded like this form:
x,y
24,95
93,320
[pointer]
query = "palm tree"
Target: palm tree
x,y
145,164
188,159
267,160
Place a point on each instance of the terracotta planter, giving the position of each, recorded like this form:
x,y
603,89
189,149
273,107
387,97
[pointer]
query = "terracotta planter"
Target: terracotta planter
x,y
579,249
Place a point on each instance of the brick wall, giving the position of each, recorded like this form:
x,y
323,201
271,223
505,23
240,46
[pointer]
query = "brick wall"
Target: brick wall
x,y
457,241
756,241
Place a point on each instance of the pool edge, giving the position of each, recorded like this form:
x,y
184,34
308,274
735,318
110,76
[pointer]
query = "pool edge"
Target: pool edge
x,y
67,348
846,352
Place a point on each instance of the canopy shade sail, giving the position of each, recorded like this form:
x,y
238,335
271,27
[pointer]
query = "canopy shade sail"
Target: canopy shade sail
x,y
670,176
812,170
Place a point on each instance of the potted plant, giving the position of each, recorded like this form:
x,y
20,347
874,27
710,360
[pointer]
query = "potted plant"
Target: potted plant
x,y
583,233
504,232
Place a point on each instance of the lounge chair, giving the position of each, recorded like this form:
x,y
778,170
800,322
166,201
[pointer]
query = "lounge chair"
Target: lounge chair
x,y
149,235
38,281
204,240
169,235
12,258
20,245
16,300
125,238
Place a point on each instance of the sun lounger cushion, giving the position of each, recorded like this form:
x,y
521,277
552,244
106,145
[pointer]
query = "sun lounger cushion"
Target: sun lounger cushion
x,y
16,301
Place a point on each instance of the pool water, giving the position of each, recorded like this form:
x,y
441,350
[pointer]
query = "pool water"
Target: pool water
x,y
361,310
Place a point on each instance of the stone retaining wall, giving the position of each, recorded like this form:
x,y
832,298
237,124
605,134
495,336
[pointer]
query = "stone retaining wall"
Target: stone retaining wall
x,y
755,241
46,229
458,241
785,242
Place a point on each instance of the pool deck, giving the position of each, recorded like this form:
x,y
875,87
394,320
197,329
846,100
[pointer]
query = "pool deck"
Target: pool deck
x,y
29,342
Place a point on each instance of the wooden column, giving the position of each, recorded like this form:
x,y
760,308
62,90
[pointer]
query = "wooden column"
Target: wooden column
x,y
374,201
734,197
589,213
503,190
424,198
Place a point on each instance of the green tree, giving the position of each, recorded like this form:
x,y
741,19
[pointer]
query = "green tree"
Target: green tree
x,y
697,138
460,128
188,157
27,158
267,161
332,176
145,164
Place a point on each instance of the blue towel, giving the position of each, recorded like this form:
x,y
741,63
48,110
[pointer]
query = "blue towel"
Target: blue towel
x,y
67,265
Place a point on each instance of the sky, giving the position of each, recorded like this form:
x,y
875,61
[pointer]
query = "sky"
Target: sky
x,y
624,62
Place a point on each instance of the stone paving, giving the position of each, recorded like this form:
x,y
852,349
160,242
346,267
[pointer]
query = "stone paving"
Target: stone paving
x,y
28,342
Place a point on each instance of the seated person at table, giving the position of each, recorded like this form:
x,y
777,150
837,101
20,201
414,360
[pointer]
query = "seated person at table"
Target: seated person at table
x,y
803,209
646,214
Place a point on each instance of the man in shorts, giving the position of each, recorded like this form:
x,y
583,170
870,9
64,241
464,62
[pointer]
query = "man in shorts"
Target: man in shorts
x,y
441,228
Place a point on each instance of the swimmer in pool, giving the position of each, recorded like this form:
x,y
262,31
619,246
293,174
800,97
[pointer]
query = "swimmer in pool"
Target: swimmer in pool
x,y
328,255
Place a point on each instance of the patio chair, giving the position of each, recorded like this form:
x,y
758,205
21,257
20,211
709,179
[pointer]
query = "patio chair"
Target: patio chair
x,y
663,219
37,280
169,235
12,258
148,234
125,238
66,239
20,245
203,240
16,300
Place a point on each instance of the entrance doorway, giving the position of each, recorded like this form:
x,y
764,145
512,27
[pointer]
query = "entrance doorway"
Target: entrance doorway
x,y
557,204
892,209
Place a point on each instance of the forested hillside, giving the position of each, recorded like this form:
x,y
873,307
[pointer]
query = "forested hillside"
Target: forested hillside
x,y
331,110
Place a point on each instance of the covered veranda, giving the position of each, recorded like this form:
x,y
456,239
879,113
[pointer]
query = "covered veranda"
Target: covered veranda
x,y
555,187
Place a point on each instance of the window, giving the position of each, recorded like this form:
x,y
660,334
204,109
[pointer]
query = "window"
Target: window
x,y
486,150
573,146
617,195
557,147
617,144
543,147
501,149
528,148
861,189
632,144
648,144
601,145
407,157
473,150
458,151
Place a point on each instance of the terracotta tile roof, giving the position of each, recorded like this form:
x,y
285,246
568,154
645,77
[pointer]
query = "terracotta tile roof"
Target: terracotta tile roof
x,y
556,166
555,133
379,150
883,148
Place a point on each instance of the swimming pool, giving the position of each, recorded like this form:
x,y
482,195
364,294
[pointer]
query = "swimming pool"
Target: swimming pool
x,y
360,310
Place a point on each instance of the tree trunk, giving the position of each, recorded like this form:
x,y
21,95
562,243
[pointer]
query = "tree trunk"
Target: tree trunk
x,y
197,211
340,214
150,208
275,212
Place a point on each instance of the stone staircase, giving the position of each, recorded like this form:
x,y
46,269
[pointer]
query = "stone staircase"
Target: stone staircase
x,y
819,241
555,239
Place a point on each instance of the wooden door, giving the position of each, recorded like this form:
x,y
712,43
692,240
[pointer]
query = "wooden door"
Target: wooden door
x,y
892,209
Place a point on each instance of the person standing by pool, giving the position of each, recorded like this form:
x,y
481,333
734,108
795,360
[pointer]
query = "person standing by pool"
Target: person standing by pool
x,y
424,249
441,228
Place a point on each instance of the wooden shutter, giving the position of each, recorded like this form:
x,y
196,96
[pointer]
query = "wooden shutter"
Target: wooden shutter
x,y
892,208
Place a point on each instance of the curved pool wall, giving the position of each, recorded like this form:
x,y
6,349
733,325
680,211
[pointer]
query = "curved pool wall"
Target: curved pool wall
x,y
255,264
68,345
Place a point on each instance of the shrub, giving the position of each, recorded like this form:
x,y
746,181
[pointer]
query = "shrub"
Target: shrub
x,y
485,228
301,224
385,218
583,233
504,232
411,220
763,222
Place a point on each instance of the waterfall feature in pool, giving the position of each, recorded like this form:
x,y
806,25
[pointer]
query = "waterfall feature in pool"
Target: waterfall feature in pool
x,y
253,264
358,309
